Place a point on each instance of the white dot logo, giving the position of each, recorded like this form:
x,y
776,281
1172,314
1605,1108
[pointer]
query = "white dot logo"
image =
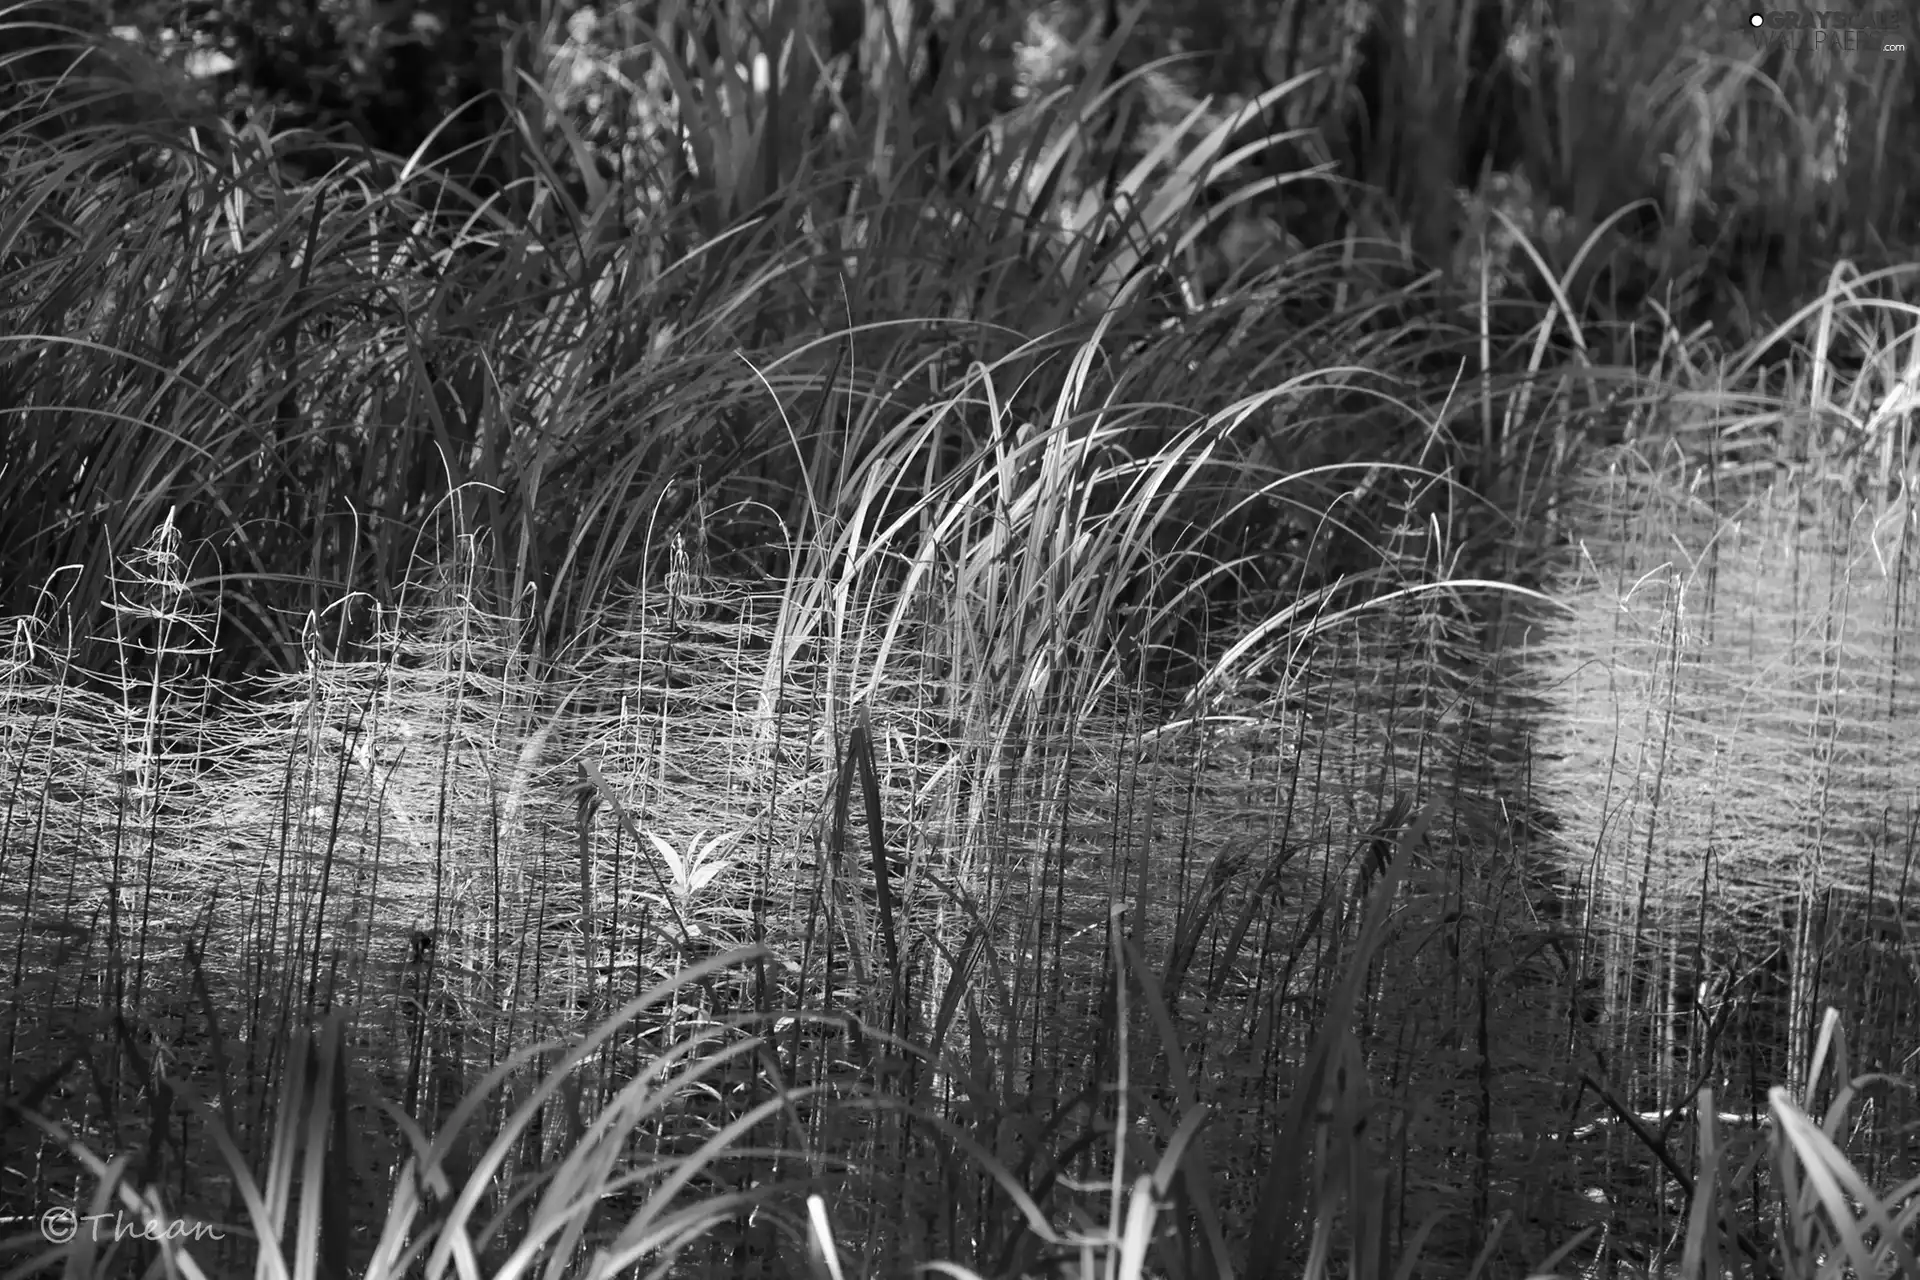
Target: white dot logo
x,y
1756,20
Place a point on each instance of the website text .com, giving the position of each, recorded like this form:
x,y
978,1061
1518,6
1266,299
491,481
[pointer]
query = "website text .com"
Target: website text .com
x,y
1836,29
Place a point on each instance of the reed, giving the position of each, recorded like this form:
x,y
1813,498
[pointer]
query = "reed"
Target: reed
x,y
834,725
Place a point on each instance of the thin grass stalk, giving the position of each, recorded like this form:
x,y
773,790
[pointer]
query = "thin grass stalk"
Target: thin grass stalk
x,y
1280,1202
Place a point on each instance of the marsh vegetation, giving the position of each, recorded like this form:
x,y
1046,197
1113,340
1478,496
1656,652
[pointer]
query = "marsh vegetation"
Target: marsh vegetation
x,y
689,693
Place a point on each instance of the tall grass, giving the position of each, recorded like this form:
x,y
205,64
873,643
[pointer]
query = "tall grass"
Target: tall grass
x,y
802,718
1729,747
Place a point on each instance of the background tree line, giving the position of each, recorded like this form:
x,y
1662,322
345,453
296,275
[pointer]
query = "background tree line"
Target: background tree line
x,y
1759,165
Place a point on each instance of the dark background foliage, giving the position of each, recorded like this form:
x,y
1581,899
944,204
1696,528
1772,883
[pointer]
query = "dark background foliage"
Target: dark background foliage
x,y
395,77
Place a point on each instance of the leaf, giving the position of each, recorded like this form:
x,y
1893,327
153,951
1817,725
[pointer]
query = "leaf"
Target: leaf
x,y
705,875
672,859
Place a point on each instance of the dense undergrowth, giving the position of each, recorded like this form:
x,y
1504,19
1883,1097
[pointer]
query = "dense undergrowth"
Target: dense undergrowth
x,y
775,713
